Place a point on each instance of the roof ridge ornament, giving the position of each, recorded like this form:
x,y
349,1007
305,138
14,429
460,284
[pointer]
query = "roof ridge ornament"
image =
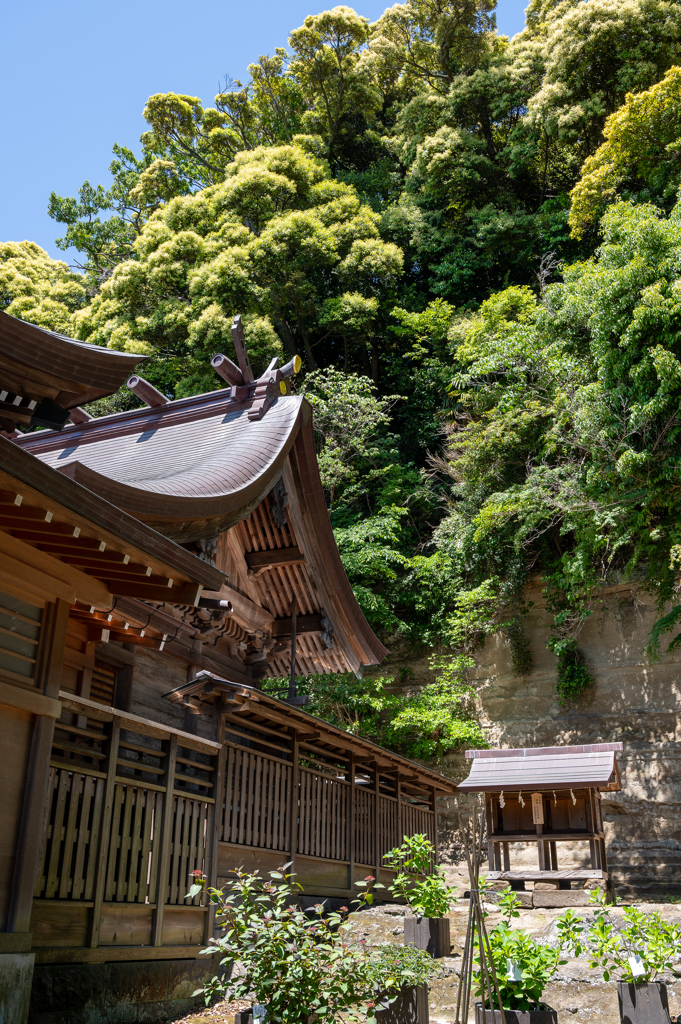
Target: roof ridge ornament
x,y
244,387
146,391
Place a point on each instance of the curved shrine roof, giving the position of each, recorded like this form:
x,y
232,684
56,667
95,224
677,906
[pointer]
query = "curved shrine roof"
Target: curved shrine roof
x,y
196,467
40,364
194,459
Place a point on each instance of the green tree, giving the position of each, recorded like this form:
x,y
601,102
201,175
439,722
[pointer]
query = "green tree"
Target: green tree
x,y
274,240
639,155
36,288
327,64
594,54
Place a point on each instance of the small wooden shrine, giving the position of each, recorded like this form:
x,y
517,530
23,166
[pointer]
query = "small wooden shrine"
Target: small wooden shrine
x,y
547,795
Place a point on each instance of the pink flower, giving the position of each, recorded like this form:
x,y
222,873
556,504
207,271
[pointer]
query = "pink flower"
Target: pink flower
x,y
197,873
369,878
344,909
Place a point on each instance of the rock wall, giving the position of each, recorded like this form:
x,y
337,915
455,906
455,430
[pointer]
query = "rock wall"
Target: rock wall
x,y
629,700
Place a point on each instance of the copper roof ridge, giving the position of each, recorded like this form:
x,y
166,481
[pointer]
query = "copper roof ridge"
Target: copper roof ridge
x,y
132,421
583,748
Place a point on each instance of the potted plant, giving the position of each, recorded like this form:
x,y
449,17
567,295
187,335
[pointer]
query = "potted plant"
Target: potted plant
x,y
422,884
634,954
523,968
407,971
301,965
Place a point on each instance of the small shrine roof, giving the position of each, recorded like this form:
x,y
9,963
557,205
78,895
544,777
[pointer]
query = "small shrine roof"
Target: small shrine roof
x,y
543,768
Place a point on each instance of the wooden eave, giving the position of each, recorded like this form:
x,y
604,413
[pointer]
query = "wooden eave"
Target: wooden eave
x,y
259,708
37,363
43,510
197,467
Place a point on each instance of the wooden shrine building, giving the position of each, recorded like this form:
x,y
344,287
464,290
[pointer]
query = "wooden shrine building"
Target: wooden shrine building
x,y
157,564
547,796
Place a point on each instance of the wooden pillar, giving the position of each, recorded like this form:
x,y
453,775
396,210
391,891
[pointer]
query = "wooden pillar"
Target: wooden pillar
x,y
506,860
52,642
32,825
541,849
165,835
105,832
591,827
436,844
351,825
190,721
215,815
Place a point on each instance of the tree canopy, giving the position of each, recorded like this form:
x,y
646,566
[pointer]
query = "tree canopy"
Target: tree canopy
x,y
473,243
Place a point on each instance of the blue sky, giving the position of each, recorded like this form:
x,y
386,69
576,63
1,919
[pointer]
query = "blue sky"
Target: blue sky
x,y
75,75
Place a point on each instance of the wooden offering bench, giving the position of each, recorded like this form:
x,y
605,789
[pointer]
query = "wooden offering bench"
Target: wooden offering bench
x,y
546,795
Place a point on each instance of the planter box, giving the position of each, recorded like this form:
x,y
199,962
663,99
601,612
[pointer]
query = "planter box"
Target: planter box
x,y
429,933
410,1007
546,1016
643,1004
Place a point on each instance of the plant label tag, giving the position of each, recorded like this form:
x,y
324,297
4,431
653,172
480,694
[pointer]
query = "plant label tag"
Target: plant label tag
x,y
637,966
513,971
537,809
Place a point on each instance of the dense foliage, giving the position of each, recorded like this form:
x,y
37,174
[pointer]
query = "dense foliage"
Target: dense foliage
x,y
418,880
636,949
473,242
298,962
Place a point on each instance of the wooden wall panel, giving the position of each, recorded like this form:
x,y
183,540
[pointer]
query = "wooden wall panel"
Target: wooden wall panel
x,y
125,926
182,926
60,923
261,861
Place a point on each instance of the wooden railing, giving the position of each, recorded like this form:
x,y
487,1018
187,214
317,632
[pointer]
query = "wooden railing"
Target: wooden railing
x,y
256,800
130,814
135,807
292,798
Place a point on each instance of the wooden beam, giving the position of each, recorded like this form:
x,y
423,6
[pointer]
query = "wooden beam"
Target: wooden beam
x,y
269,559
246,612
37,532
28,700
304,624
87,588
275,716
136,587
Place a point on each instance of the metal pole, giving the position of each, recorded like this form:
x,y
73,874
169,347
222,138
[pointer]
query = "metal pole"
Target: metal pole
x,y
292,680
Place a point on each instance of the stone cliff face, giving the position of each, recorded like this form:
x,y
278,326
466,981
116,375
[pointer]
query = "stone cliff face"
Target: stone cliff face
x,y
629,700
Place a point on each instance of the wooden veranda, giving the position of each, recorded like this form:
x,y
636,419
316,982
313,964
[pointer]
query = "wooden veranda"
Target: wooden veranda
x,y
135,807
